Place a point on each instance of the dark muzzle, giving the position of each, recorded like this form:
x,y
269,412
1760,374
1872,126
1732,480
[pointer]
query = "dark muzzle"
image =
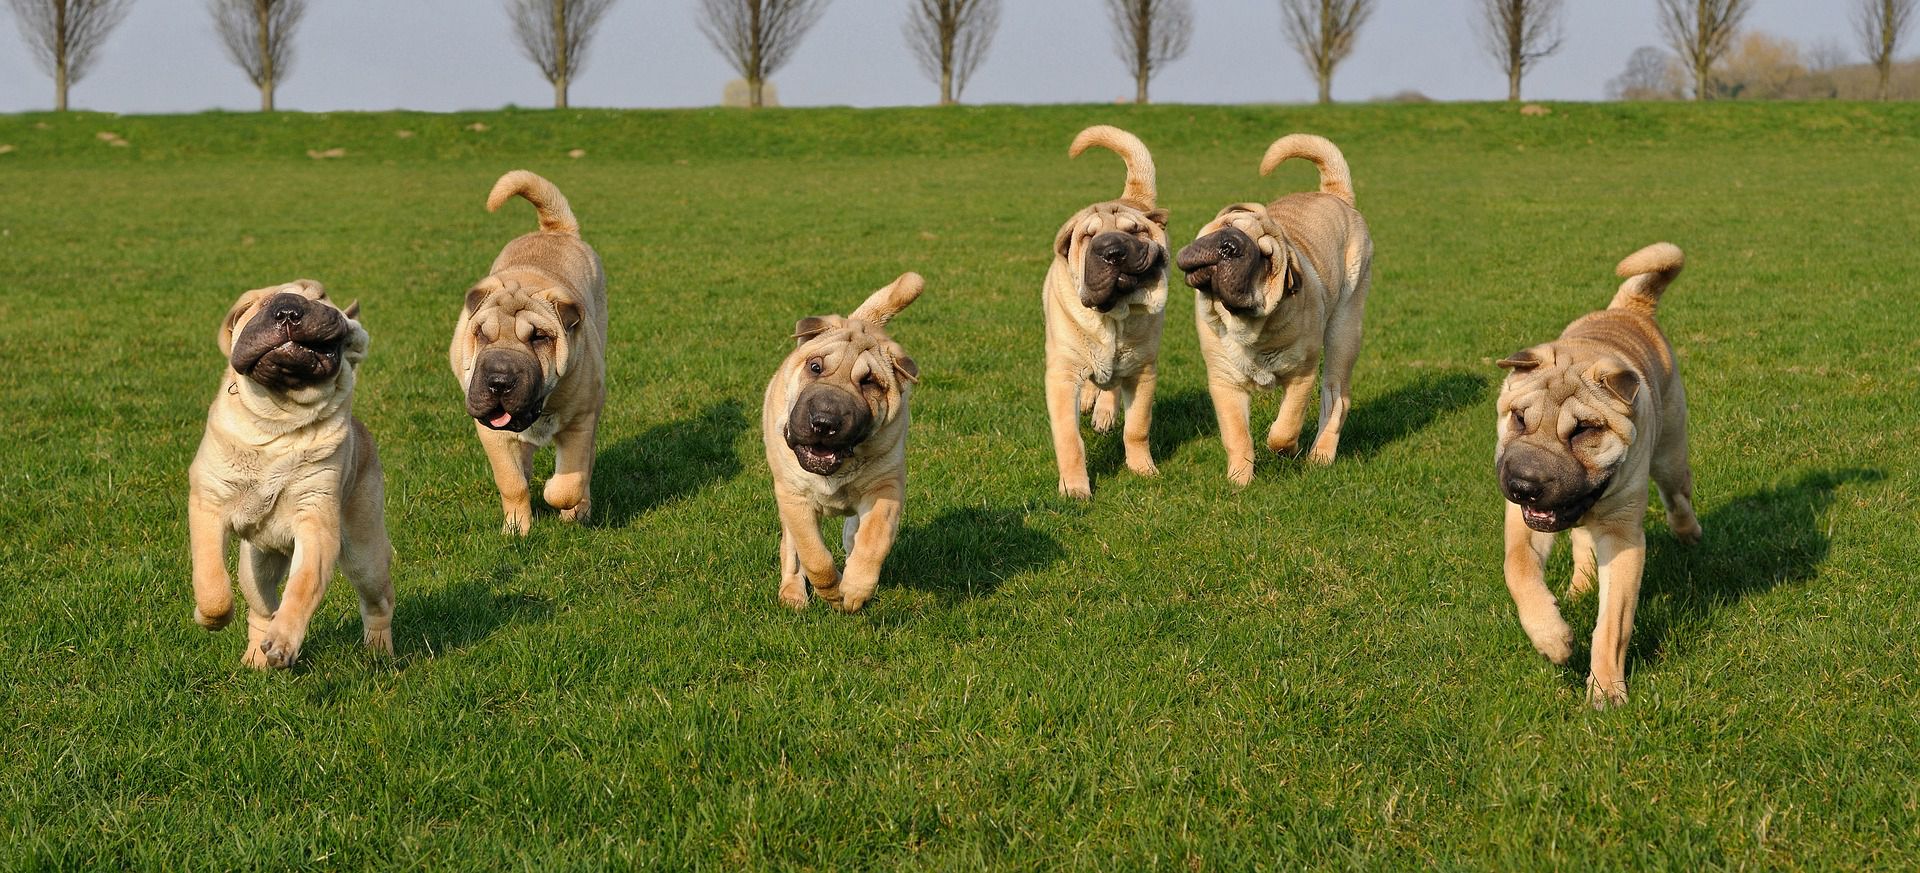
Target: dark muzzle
x,y
507,390
1225,265
825,426
1117,265
291,342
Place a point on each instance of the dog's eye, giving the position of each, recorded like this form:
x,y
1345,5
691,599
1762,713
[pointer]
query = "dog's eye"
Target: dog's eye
x,y
868,381
538,336
1519,421
1582,427
815,367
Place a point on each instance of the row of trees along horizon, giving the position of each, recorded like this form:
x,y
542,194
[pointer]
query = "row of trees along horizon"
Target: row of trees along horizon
x,y
950,39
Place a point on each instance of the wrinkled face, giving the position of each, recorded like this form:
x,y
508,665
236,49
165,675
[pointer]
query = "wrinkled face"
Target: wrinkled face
x,y
1242,261
518,338
1115,251
851,381
1565,428
291,337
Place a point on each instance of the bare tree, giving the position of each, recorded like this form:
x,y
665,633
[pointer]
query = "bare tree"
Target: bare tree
x,y
63,36
1881,24
1651,74
1700,32
1323,31
950,38
758,36
258,35
554,35
1518,33
1149,34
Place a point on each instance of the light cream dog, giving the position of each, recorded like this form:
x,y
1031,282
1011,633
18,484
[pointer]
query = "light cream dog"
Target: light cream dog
x,y
286,467
1278,287
530,353
1585,421
1105,299
834,422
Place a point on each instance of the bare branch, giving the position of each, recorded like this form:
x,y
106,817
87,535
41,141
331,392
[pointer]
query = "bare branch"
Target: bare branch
x,y
1323,32
258,36
554,34
1149,34
950,38
1881,24
758,36
1518,33
64,35
1700,32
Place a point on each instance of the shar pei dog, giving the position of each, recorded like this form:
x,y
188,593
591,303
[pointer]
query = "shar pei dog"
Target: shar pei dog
x,y
1276,289
1105,299
529,350
1585,421
285,467
834,422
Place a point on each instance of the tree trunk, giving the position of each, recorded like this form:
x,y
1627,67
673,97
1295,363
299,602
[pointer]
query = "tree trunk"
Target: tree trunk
x,y
946,87
753,93
1886,70
60,88
1513,85
262,19
1700,76
560,93
266,96
1140,86
1326,87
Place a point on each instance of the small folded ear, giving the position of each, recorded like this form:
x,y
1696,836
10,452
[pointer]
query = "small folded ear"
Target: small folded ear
x,y
352,310
1619,380
813,326
1289,271
565,308
1159,217
902,364
476,296
1521,361
1063,241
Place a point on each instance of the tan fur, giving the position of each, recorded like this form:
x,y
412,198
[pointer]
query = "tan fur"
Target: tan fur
x,y
533,281
1315,298
870,489
1114,354
1612,373
296,478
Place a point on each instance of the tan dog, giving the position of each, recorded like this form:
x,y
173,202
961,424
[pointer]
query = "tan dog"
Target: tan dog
x,y
286,467
835,426
1585,421
530,353
1276,288
1105,299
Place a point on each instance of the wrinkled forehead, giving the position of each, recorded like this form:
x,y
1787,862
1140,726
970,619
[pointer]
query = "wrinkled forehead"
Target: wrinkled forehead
x,y
1244,217
846,344
1550,386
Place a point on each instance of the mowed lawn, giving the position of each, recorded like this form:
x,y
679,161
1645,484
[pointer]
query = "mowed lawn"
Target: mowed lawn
x,y
1321,669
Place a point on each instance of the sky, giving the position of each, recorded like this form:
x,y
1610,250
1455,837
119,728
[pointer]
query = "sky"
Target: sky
x,y
447,55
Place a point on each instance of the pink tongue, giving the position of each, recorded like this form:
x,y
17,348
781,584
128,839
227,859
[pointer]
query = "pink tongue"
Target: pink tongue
x,y
500,420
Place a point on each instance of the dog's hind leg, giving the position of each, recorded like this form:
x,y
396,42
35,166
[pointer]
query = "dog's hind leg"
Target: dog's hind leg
x,y
1284,436
1231,405
1336,380
1622,553
1063,414
1526,559
261,575
793,579
1106,408
874,529
366,557
571,488
1136,395
1584,573
1674,476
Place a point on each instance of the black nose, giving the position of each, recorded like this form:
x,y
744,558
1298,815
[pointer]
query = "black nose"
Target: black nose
x,y
824,424
499,383
1523,488
287,313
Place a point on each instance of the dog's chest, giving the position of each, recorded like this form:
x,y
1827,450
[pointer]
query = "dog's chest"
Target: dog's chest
x,y
1259,351
260,490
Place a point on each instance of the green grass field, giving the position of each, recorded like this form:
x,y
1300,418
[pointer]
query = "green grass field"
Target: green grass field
x,y
1322,669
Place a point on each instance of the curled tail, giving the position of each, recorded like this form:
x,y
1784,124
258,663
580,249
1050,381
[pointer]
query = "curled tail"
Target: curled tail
x,y
1335,178
887,302
555,215
1140,191
1647,272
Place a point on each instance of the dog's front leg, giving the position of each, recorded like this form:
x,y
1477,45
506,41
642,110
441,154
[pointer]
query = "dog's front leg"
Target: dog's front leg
x,y
800,538
1284,436
1102,407
1527,551
1230,406
1136,394
316,548
879,522
207,538
1064,415
1620,548
571,488
512,462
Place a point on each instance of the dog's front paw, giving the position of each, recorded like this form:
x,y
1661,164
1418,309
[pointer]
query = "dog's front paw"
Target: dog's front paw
x,y
1103,412
1143,466
379,642
213,622
1077,488
578,513
1689,532
1555,640
1241,473
517,525
277,651
1321,456
1604,694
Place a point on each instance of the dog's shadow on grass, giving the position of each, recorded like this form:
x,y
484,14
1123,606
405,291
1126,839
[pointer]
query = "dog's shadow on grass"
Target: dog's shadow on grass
x,y
1753,544
1373,426
666,462
1178,418
450,618
967,552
